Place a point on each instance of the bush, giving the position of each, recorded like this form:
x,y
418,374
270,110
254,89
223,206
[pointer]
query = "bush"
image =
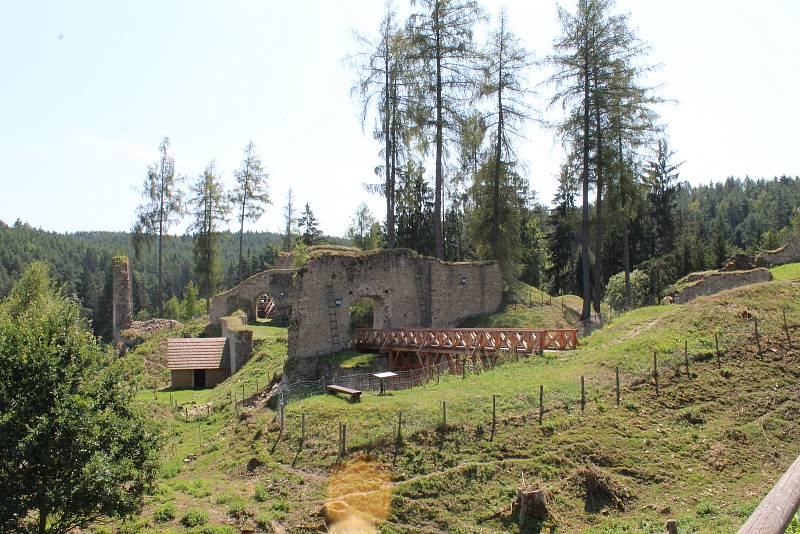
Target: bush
x,y
261,493
165,512
194,517
615,290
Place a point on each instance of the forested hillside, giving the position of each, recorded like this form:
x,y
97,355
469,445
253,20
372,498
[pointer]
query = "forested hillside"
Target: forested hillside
x,y
705,225
82,262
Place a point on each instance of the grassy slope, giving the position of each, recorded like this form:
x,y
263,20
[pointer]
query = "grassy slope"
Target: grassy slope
x,y
703,453
790,271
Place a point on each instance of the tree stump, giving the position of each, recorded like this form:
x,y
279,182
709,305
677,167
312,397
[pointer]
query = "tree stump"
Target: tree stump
x,y
531,507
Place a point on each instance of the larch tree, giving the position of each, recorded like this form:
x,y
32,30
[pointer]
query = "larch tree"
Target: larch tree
x,y
290,221
250,195
162,207
505,64
446,56
380,66
580,54
210,208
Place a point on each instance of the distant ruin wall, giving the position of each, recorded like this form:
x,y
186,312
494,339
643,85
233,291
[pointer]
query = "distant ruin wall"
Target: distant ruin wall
x,y
790,253
122,302
714,283
406,290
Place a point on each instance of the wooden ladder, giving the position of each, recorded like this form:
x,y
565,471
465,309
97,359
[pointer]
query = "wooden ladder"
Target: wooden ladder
x,y
335,345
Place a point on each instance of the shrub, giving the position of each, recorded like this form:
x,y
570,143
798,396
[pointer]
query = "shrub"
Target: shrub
x,y
239,510
194,517
261,493
165,512
615,290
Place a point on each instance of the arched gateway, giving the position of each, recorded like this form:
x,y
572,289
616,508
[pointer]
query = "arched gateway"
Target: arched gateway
x,y
404,289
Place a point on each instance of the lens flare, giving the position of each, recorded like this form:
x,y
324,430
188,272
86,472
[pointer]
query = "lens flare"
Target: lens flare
x,y
359,495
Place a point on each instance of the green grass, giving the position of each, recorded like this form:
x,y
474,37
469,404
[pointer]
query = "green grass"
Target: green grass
x,y
351,359
790,271
265,331
705,451
525,310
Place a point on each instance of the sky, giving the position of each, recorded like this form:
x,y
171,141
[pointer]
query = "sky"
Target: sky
x,y
89,89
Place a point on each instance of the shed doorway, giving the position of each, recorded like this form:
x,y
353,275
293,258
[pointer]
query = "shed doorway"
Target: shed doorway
x,y
199,378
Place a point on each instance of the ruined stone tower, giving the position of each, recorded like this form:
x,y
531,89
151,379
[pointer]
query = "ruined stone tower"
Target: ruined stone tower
x,y
122,307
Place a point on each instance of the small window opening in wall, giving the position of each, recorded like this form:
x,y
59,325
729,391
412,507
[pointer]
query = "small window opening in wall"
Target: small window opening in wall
x,y
463,280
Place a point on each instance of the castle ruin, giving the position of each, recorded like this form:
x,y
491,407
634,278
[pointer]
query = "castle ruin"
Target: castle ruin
x,y
405,289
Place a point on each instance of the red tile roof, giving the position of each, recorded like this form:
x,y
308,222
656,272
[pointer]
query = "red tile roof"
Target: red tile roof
x,y
198,353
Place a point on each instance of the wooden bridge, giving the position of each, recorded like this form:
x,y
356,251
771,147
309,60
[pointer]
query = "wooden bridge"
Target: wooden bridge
x,y
411,348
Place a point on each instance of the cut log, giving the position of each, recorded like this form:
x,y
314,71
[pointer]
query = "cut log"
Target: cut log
x,y
531,507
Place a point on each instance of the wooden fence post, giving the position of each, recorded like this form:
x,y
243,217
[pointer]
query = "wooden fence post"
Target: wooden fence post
x,y
444,416
154,391
344,440
494,416
583,394
281,414
655,370
616,372
686,357
716,344
786,329
530,298
242,392
758,339
672,527
302,430
399,428
541,403
464,367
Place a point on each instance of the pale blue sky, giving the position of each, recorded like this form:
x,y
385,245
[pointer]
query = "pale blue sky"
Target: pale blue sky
x,y
89,89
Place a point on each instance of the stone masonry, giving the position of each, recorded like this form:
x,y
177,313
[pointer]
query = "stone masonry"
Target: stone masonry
x,y
406,290
709,284
122,312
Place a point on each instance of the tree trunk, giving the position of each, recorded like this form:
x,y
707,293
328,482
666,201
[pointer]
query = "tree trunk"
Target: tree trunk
x,y
626,259
598,236
437,206
497,163
42,521
160,246
389,190
241,233
586,311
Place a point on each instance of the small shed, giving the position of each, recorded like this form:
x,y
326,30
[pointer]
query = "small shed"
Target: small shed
x,y
198,362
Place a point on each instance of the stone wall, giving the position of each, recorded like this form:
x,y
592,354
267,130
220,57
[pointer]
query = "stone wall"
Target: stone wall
x,y
406,290
122,302
789,253
240,340
716,282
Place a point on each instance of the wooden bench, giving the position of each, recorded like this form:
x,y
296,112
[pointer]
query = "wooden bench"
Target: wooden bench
x,y
355,395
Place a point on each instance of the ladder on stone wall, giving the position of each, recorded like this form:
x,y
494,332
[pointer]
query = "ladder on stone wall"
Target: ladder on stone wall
x,y
332,318
422,279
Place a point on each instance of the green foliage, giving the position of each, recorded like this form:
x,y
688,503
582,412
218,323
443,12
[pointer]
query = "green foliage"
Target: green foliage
x,y
299,255
74,447
312,235
616,295
165,512
260,493
194,517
